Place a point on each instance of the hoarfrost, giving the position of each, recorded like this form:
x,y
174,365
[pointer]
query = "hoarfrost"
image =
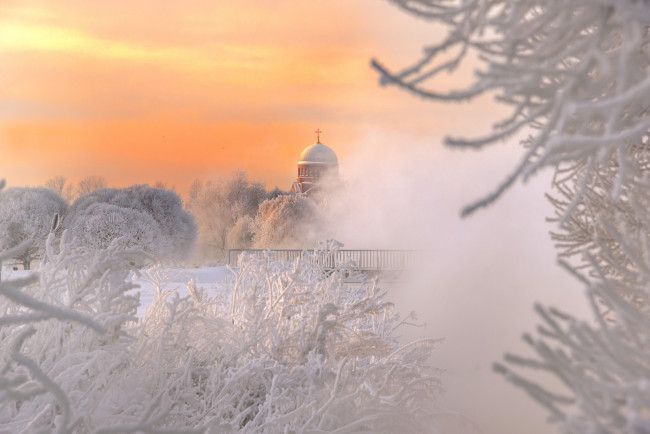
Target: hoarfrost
x,y
283,347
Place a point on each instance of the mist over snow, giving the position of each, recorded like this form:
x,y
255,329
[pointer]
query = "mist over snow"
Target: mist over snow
x,y
483,273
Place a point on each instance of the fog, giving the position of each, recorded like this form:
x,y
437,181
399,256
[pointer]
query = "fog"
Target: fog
x,y
484,272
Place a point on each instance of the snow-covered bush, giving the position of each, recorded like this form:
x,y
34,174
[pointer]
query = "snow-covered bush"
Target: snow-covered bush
x,y
104,223
26,213
62,338
149,218
283,347
576,74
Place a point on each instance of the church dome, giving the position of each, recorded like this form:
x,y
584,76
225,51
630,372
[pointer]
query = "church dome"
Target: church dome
x,y
318,153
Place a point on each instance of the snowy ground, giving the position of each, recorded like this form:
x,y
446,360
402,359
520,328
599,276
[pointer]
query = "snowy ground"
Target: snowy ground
x,y
210,279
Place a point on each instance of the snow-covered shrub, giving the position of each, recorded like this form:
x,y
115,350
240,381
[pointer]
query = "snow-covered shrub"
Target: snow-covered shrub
x,y
26,213
105,224
283,347
64,341
149,218
286,349
576,74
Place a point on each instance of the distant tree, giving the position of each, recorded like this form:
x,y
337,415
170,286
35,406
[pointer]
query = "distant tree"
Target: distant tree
x,y
140,216
89,184
242,233
59,185
218,207
163,184
576,74
277,191
288,221
27,213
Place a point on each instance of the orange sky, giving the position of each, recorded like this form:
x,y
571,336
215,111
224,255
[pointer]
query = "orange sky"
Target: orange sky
x,y
161,90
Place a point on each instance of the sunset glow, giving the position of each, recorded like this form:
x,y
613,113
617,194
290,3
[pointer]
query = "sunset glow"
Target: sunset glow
x,y
167,92
148,91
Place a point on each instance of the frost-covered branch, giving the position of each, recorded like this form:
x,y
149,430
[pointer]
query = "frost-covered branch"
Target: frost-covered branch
x,y
280,347
603,236
575,73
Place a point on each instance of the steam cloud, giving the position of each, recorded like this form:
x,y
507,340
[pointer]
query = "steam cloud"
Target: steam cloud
x,y
483,273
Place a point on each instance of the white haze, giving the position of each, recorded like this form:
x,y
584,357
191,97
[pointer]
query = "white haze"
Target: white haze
x,y
484,274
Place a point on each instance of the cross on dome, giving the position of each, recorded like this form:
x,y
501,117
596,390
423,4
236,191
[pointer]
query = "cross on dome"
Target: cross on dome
x,y
318,131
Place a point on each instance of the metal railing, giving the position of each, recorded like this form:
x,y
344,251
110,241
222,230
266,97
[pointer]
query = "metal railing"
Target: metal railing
x,y
366,260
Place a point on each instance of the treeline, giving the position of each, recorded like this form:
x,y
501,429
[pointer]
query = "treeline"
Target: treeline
x,y
226,213
238,213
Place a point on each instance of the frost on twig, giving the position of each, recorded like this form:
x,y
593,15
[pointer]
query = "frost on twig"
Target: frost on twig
x,y
574,72
280,347
604,241
60,331
576,75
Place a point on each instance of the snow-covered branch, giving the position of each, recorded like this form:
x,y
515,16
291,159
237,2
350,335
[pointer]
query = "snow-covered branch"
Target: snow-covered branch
x,y
575,73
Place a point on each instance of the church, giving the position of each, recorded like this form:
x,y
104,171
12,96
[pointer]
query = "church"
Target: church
x,y
317,165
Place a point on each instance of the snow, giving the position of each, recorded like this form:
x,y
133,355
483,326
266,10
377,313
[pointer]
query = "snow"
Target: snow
x,y
211,279
318,153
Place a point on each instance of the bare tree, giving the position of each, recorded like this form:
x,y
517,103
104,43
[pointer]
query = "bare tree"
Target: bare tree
x,y
59,185
90,184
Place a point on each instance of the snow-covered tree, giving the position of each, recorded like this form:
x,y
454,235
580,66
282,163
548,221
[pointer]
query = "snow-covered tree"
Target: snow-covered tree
x,y
26,213
102,224
218,207
576,74
241,234
152,219
288,222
